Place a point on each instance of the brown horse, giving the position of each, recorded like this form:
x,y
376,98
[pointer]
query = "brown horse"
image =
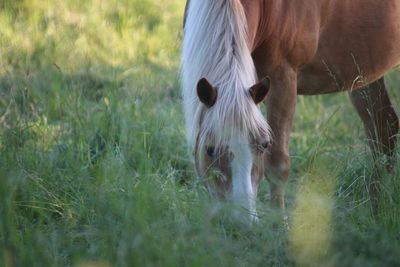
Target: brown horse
x,y
298,47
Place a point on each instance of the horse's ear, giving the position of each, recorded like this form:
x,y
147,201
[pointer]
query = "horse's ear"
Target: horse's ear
x,y
260,90
206,92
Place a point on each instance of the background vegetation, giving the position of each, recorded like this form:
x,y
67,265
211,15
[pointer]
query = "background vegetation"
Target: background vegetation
x,y
94,169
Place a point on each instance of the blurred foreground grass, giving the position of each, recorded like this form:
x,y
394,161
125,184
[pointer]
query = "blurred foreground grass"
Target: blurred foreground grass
x,y
94,167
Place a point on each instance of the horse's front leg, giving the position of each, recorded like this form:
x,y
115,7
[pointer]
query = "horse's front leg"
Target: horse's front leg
x,y
280,104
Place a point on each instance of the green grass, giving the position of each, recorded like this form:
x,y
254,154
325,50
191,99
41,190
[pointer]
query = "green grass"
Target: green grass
x,y
94,169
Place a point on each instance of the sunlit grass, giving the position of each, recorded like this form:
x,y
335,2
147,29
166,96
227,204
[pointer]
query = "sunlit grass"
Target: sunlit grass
x,y
312,225
75,35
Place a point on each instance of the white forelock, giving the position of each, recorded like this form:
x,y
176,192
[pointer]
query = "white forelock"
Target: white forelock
x,y
215,47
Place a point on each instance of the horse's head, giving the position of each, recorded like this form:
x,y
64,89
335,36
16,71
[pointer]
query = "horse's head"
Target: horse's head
x,y
232,140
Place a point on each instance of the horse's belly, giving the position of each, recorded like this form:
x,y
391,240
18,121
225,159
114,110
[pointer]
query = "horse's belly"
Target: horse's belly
x,y
325,80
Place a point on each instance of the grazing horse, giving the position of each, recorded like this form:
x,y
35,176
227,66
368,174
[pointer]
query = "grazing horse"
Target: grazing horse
x,y
290,47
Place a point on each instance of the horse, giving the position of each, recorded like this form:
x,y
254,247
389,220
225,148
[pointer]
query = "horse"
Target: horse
x,y
239,53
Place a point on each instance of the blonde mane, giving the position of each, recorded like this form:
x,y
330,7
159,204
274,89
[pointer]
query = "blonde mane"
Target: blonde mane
x,y
215,47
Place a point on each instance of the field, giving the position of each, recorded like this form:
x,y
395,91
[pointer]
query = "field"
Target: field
x,y
94,168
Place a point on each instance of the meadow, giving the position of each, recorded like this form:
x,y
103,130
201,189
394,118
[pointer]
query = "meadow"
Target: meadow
x,y
95,171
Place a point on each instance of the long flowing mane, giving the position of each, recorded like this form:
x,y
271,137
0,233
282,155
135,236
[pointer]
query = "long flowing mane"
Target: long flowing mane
x,y
215,46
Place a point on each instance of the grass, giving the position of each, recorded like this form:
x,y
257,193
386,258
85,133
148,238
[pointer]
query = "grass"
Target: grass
x,y
94,169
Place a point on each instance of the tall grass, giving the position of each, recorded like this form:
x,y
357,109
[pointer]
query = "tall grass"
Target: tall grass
x,y
94,169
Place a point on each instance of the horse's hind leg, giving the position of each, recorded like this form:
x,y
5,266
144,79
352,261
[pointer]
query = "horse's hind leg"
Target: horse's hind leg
x,y
381,126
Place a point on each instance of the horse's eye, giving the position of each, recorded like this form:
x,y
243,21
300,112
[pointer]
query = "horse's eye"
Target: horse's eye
x,y
262,147
210,151
266,145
